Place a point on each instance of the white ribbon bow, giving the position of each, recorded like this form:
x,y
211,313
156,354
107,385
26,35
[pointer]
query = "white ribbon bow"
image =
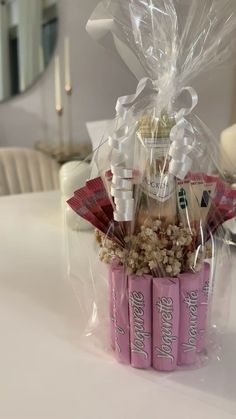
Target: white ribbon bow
x,y
183,146
183,140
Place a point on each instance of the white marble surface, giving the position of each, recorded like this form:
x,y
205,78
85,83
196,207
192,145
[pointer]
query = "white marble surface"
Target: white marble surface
x,y
43,372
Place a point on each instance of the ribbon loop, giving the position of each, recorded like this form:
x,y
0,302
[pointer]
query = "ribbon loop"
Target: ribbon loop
x,y
183,145
194,98
145,86
183,140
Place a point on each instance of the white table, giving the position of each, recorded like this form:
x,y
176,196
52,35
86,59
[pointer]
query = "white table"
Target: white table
x,y
43,372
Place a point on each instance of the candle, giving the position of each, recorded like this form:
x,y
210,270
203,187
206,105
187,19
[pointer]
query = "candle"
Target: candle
x,y
73,176
67,64
58,98
228,150
68,90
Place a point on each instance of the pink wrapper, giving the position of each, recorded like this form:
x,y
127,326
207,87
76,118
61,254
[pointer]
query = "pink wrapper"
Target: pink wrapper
x,y
165,323
140,313
190,285
121,314
203,308
111,310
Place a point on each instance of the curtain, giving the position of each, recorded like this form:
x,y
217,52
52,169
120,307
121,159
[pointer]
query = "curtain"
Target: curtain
x,y
30,41
4,52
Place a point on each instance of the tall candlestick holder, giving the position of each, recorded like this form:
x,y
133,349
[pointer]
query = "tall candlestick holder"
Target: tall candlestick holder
x,y
69,91
65,150
59,111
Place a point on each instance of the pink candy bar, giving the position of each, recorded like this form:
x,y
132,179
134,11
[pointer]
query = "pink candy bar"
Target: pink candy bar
x,y
165,323
111,310
190,285
203,308
121,314
140,321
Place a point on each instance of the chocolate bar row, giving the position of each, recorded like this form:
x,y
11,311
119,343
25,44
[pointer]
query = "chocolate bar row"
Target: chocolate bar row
x,y
158,322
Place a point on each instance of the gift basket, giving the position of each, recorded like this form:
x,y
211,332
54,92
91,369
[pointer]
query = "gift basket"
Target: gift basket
x,y
153,276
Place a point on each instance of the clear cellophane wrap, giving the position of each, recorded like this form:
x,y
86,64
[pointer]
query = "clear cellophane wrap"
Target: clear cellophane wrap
x,y
153,275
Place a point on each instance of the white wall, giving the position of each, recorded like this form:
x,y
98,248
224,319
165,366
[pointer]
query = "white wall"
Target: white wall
x,y
98,79
48,2
13,13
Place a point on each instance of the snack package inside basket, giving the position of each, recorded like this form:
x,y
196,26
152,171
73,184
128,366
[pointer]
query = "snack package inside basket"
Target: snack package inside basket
x,y
153,275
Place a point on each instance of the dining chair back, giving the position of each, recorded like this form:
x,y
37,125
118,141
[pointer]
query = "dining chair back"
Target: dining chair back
x,y
26,170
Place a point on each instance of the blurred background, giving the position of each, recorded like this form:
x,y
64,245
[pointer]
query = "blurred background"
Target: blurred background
x,y
58,89
32,34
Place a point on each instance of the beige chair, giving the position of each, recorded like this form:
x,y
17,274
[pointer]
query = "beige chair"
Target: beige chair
x,y
25,170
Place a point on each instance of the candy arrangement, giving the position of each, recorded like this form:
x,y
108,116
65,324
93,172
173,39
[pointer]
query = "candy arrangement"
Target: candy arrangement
x,y
159,282
157,204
